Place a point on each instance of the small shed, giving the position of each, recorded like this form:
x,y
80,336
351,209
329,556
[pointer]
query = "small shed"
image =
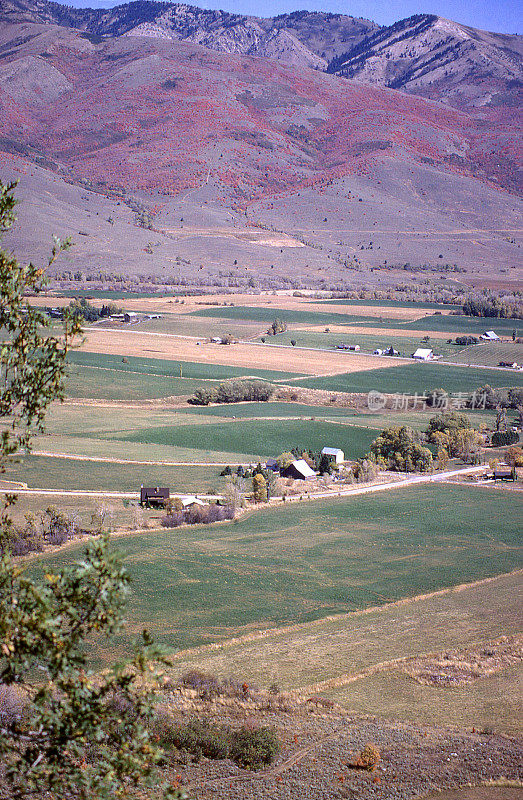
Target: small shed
x,y
423,354
191,500
154,497
489,336
334,454
505,474
299,470
130,316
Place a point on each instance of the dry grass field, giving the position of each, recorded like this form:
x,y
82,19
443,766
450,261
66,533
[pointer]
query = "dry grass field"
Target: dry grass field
x,y
131,343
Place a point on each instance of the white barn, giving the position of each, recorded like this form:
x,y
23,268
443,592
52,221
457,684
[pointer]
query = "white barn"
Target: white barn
x,y
334,453
423,354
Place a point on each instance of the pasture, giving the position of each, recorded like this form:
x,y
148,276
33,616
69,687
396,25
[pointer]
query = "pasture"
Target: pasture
x,y
259,439
415,377
50,472
293,564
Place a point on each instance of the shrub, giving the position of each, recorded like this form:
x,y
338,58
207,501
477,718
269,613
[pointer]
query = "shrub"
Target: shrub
x,y
502,438
249,747
234,391
254,748
369,758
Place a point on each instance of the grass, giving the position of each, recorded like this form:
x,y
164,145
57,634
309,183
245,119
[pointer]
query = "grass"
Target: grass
x,y
50,472
493,701
109,377
260,438
411,378
490,354
303,562
406,345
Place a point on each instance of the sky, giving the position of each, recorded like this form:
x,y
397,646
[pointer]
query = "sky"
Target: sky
x,y
501,16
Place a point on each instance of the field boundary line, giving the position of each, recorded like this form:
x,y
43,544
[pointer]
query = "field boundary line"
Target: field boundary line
x,y
110,460
298,626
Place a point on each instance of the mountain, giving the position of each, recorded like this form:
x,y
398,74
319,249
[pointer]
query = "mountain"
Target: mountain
x,y
302,38
161,153
439,59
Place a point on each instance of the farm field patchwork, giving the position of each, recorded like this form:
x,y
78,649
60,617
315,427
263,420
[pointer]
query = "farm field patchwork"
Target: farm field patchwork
x,y
301,563
251,359
405,344
106,376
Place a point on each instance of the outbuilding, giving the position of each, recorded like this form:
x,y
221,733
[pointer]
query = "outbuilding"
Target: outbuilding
x,y
334,454
299,470
489,336
191,500
423,354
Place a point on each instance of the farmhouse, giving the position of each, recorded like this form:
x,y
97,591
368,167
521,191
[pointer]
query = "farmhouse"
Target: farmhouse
x,y
489,336
272,464
334,454
377,352
423,354
154,497
390,351
299,470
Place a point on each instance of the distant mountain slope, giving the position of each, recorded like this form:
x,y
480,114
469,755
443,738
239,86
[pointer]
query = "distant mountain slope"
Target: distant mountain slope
x,y
424,54
302,38
440,59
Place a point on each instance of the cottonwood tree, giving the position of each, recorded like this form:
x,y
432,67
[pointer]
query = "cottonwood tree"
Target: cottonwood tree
x,y
64,731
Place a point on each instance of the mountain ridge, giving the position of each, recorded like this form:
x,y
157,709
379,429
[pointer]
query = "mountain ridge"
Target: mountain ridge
x,y
423,54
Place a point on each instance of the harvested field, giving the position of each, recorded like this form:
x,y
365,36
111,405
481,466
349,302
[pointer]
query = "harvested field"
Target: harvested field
x,y
158,346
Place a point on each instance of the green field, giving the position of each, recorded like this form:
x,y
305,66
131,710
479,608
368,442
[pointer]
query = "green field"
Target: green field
x,y
462,324
49,472
489,354
300,562
259,438
109,377
405,344
411,378
268,314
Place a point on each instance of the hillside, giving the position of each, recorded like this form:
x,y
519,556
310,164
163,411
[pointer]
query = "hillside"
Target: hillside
x,y
440,59
215,145
302,38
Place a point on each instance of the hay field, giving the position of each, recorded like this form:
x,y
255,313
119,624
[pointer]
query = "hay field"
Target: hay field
x,y
306,562
130,342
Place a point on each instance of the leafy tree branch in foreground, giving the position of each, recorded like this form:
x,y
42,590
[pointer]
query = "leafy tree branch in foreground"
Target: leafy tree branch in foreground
x,y
64,730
